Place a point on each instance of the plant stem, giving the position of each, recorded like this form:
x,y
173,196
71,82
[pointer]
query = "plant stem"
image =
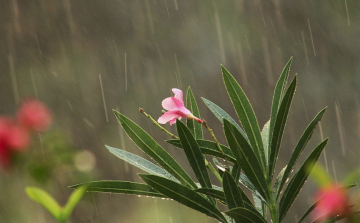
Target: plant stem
x,y
272,209
141,110
217,143
212,169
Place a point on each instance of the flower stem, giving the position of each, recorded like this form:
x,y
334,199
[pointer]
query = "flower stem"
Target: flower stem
x,y
212,169
141,110
217,143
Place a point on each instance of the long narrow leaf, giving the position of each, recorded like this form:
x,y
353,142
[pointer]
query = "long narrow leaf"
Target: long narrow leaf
x,y
231,191
260,205
298,180
221,115
147,144
246,115
183,195
278,93
235,172
299,148
278,179
245,215
246,182
71,203
208,147
119,187
246,158
194,126
266,139
193,154
45,199
279,127
218,194
141,163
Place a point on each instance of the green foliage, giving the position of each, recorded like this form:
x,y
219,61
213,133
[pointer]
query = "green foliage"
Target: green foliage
x,y
246,115
183,195
299,179
49,203
147,144
193,125
119,187
249,159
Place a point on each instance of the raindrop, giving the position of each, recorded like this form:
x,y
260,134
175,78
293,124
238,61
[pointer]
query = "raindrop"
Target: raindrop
x,y
338,119
306,55
312,40
103,98
333,166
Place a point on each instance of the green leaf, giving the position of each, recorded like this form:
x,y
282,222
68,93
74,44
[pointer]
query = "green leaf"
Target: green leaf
x,y
278,94
183,195
73,200
311,208
278,131
141,163
246,182
147,144
266,139
353,218
246,115
208,147
245,198
221,114
245,215
260,206
194,126
235,172
193,154
278,179
298,180
45,199
299,149
231,191
246,158
119,187
215,193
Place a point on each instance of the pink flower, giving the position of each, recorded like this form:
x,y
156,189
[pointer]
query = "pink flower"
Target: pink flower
x,y
333,201
34,115
176,109
12,138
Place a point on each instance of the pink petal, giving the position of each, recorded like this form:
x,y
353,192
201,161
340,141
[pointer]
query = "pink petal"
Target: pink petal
x,y
172,104
174,120
168,116
186,112
178,94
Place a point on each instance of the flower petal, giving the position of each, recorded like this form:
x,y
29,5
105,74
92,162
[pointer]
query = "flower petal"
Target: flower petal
x,y
178,94
168,116
172,104
174,120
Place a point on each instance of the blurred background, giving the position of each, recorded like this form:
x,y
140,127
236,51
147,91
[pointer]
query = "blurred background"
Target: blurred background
x,y
84,58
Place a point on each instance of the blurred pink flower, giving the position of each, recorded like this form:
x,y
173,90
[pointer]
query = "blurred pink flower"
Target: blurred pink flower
x,y
176,109
34,115
332,201
12,138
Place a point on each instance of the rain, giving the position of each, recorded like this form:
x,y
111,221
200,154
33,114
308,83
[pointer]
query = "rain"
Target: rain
x,y
84,59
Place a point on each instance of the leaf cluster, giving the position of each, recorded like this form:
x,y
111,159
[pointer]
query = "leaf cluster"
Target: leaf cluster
x,y
252,154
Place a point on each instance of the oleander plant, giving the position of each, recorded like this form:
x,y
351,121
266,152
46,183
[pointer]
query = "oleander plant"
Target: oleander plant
x,y
249,158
